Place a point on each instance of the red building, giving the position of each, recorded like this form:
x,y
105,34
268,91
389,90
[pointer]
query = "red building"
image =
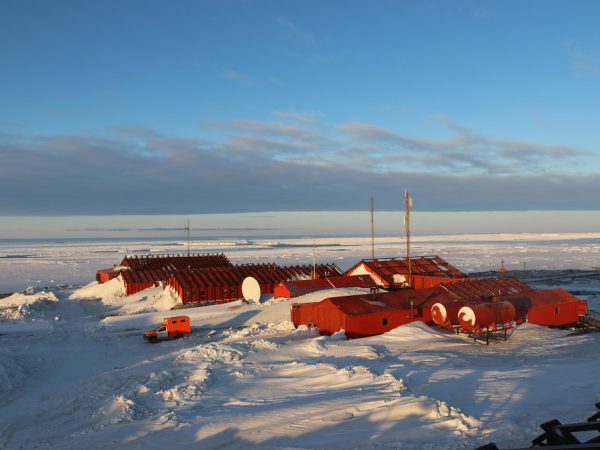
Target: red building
x,y
425,272
296,288
141,272
551,307
372,314
136,280
104,275
366,314
223,284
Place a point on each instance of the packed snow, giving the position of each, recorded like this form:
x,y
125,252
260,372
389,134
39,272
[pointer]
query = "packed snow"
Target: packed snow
x,y
76,373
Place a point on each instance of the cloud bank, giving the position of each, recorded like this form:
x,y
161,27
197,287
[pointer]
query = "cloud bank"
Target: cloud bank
x,y
294,162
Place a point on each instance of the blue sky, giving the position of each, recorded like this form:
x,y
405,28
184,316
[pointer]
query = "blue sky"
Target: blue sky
x,y
153,107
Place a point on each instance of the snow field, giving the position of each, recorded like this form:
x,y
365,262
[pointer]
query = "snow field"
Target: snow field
x,y
246,378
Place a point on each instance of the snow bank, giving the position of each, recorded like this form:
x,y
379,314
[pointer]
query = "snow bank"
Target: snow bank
x,y
417,331
19,298
22,305
112,293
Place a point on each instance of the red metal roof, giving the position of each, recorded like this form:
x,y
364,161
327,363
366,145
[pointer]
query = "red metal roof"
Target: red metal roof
x,y
491,287
401,299
424,265
389,301
264,273
546,297
176,262
149,276
301,287
188,281
210,271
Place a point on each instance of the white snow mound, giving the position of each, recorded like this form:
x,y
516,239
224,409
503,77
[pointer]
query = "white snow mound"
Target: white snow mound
x,y
21,305
110,293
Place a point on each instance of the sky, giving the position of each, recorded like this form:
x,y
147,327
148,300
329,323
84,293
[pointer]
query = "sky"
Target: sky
x,y
205,107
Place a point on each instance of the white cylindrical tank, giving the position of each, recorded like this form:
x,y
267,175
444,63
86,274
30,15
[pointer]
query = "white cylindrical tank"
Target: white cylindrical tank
x,y
486,315
445,314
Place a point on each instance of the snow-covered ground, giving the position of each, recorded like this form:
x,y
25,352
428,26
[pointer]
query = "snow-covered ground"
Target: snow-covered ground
x,y
76,373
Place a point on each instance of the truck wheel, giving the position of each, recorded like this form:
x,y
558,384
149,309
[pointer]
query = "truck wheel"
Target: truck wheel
x,y
153,340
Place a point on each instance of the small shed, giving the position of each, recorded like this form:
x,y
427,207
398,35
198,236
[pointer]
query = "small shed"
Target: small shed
x,y
104,275
425,272
550,307
296,288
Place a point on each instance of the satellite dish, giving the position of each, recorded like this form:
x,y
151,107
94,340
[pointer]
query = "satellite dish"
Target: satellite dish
x,y
251,289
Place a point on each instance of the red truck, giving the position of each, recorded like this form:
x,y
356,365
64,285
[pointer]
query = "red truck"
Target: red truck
x,y
172,328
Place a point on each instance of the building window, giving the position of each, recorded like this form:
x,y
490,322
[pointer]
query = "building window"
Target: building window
x,y
384,322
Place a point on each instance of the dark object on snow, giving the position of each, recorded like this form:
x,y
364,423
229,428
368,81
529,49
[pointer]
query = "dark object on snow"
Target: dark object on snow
x,y
561,436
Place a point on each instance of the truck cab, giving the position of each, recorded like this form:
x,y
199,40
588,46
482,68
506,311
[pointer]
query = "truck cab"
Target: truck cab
x,y
171,328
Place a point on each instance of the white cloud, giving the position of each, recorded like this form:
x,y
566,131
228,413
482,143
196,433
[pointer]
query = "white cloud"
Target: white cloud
x,y
583,61
236,76
295,30
288,163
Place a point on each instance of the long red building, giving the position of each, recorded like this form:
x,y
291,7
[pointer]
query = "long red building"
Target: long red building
x,y
223,284
144,271
372,314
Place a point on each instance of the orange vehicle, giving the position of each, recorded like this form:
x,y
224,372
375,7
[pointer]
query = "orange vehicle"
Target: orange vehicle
x,y
172,328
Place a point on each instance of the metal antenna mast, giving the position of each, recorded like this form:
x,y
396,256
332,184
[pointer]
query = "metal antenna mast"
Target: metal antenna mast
x,y
187,231
314,271
408,203
372,228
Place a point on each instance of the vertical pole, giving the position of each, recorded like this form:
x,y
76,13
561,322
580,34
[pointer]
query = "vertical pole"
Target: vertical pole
x,y
372,228
187,230
408,202
314,274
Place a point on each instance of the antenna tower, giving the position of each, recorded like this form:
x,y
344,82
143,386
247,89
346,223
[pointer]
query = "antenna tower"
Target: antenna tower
x,y
408,205
314,271
372,228
187,231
